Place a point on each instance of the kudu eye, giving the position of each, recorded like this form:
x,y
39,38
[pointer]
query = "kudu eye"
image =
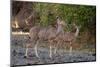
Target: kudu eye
x,y
57,17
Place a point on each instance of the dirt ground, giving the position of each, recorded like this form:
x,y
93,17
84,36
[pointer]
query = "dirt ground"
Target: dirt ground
x,y
18,43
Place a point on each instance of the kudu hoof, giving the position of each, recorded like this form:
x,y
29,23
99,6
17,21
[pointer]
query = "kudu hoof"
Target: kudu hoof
x,y
38,57
25,56
51,57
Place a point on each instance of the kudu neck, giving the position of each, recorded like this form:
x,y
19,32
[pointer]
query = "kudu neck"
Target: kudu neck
x,y
77,31
59,28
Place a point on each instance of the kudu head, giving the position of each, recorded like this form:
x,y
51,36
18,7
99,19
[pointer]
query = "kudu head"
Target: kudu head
x,y
60,22
60,25
77,29
76,26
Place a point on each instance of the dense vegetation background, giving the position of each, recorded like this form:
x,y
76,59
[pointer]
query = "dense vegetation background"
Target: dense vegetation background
x,y
45,14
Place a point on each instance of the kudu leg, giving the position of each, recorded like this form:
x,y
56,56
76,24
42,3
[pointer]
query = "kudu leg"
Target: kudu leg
x,y
26,51
50,55
50,51
70,50
55,50
35,48
57,46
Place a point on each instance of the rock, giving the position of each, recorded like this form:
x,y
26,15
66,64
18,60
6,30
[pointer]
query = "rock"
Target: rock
x,y
14,53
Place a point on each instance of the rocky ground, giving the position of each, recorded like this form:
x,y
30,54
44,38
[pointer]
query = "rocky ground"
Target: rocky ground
x,y
62,56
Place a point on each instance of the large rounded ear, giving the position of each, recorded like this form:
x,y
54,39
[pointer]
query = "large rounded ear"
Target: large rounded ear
x,y
76,25
63,23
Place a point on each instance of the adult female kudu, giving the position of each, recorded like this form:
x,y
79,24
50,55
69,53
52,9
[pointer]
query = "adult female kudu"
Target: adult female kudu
x,y
49,33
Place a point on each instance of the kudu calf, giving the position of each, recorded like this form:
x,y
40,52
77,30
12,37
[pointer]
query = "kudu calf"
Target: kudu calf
x,y
68,37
